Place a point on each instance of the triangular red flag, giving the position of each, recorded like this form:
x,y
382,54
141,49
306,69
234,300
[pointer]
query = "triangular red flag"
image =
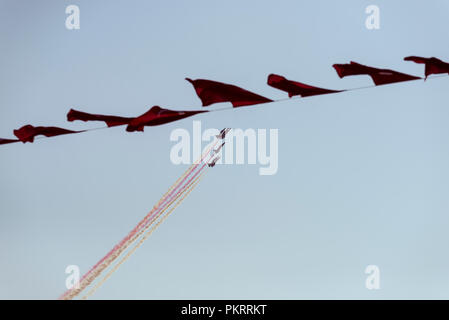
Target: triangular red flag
x,y
294,88
28,132
157,116
213,92
379,76
432,65
6,141
110,121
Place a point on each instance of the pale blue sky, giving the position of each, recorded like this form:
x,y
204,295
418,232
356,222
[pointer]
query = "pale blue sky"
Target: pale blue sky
x,y
363,176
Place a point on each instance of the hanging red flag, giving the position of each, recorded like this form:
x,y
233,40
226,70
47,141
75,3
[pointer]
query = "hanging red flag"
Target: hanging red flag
x,y
6,141
110,121
432,65
157,116
213,92
294,88
379,76
28,132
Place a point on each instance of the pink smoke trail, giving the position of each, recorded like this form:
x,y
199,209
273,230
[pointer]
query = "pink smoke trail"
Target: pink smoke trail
x,y
97,271
161,204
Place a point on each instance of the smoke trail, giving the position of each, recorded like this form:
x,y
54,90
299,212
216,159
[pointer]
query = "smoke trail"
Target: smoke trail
x,y
131,233
100,268
73,292
106,262
149,232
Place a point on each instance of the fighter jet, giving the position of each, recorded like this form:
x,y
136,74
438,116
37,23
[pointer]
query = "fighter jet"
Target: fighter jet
x,y
219,148
223,133
213,162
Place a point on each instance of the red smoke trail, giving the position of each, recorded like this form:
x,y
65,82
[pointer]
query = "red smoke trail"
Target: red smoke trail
x,y
97,271
159,206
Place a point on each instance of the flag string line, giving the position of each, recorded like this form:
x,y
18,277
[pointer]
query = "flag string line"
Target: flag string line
x,y
280,100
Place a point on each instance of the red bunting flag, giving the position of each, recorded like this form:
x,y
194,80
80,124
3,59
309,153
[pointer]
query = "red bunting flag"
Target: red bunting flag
x,y
379,76
110,121
294,88
213,92
157,116
432,65
6,141
28,132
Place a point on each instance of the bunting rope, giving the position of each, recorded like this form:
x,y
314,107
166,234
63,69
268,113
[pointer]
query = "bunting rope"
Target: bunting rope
x,y
28,132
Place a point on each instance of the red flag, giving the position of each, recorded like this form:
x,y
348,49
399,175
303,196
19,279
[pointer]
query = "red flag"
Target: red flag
x,y
294,88
157,116
5,141
213,92
432,65
379,76
28,133
109,120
